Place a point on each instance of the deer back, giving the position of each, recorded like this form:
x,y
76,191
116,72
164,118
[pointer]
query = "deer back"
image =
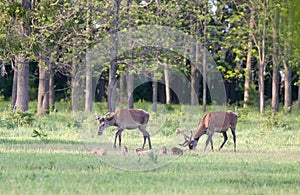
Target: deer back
x,y
131,118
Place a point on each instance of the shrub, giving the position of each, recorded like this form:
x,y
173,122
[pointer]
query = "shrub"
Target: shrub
x,y
12,119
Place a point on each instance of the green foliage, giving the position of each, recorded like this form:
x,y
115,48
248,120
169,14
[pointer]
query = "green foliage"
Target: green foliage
x,y
39,134
5,87
275,121
169,126
16,118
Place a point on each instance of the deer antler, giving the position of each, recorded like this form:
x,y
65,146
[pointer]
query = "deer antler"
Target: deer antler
x,y
107,115
187,139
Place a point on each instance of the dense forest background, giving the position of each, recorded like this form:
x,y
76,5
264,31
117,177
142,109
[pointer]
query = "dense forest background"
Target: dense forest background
x,y
43,46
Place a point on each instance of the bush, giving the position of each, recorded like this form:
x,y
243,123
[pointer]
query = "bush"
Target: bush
x,y
12,119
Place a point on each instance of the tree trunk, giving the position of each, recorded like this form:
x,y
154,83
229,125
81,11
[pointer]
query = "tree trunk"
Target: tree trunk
x,y
167,82
130,87
113,65
43,89
261,68
14,89
261,86
154,94
123,94
23,67
287,88
249,61
204,63
195,78
275,76
288,41
22,88
299,97
88,87
51,89
78,86
89,75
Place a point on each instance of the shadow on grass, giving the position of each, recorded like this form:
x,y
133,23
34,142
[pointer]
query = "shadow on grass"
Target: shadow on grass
x,y
38,141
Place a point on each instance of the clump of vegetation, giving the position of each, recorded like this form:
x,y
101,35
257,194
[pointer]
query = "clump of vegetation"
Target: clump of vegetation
x,y
169,127
275,121
39,134
13,119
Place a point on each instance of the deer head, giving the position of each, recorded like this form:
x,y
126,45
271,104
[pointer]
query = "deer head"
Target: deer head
x,y
103,122
187,140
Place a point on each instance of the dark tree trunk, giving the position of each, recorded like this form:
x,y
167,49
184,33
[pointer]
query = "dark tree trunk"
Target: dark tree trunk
x,y
275,75
204,65
51,88
299,97
261,87
195,82
14,90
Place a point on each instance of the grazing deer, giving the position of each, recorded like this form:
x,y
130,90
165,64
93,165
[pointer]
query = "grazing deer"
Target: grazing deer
x,y
212,122
125,118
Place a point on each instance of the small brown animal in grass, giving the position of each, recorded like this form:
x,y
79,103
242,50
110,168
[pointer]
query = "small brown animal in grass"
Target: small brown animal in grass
x,y
124,150
142,151
176,151
99,151
163,150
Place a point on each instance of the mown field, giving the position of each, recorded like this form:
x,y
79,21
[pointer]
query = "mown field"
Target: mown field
x,y
52,155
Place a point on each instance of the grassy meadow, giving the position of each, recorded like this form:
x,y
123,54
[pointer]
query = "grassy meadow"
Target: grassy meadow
x,y
52,155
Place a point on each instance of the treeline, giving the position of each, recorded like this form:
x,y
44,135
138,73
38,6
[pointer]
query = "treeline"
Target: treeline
x,y
44,44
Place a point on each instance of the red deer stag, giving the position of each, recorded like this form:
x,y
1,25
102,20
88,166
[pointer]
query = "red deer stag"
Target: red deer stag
x,y
125,118
212,122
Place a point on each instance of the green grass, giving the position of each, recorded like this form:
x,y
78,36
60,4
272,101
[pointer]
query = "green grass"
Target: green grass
x,y
59,161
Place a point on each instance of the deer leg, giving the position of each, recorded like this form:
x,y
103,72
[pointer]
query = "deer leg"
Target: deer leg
x,y
209,139
149,141
225,139
118,135
212,145
234,138
146,136
120,139
144,142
